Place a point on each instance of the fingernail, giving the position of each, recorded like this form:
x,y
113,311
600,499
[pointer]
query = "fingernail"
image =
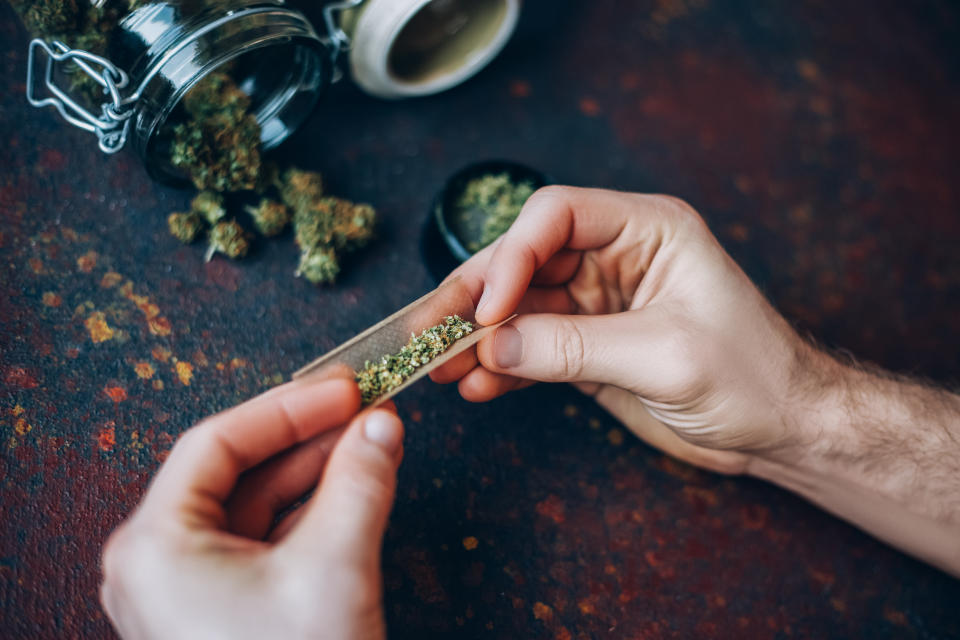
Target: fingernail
x,y
384,430
483,301
507,346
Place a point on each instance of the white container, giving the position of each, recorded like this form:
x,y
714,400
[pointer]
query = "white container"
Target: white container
x,y
405,48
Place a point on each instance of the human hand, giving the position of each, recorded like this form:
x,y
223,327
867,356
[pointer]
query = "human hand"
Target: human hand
x,y
201,557
632,298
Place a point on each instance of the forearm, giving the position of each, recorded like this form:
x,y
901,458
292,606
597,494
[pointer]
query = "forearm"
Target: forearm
x,y
882,453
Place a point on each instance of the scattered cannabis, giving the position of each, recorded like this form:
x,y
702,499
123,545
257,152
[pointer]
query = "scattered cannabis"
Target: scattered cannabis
x,y
228,238
185,227
270,217
391,371
498,199
319,265
216,142
323,225
209,206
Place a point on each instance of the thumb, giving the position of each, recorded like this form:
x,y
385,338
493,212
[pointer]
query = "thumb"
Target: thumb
x,y
612,349
348,513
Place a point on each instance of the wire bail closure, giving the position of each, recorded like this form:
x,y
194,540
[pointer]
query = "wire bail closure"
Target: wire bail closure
x,y
113,125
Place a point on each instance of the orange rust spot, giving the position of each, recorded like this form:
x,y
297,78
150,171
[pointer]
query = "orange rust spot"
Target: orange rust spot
x,y
144,370
615,436
22,427
699,494
571,411
158,385
520,89
236,363
97,325
589,107
563,634
184,371
87,261
610,569
895,617
838,604
17,410
36,265
161,353
20,377
159,326
542,611
110,279
470,543
587,607
738,232
629,80
808,70
416,415
117,394
552,507
200,359
107,438
51,299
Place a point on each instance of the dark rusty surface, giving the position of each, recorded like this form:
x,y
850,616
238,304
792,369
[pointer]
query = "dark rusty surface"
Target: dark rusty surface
x,y
818,140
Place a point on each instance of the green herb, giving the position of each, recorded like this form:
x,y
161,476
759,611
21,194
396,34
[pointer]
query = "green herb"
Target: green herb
x,y
300,189
318,265
209,206
228,238
498,199
185,227
270,217
391,371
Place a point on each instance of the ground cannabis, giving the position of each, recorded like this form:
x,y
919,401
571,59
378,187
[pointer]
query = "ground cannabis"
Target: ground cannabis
x,y
391,371
498,199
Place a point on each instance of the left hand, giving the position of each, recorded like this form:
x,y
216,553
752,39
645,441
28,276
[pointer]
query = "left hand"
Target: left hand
x,y
201,556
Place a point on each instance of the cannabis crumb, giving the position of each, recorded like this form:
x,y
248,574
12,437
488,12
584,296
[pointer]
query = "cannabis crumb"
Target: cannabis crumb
x,y
496,198
392,370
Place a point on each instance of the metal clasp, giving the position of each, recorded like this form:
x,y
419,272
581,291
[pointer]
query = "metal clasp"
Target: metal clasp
x,y
339,40
112,126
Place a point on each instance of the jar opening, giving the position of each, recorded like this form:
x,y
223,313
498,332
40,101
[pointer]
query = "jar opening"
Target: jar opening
x,y
280,82
443,37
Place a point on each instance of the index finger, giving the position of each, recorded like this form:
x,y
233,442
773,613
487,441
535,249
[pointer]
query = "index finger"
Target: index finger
x,y
204,465
552,219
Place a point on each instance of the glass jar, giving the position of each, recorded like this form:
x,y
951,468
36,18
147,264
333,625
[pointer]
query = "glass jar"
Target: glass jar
x,y
161,50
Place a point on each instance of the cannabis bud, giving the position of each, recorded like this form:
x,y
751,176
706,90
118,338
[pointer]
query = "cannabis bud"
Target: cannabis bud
x,y
498,199
219,145
209,206
270,217
185,227
318,265
392,370
228,238
300,189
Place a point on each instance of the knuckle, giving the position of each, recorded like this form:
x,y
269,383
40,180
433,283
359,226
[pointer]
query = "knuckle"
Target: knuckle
x,y
568,349
679,209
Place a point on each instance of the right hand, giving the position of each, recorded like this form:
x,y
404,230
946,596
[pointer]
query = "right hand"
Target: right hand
x,y
632,298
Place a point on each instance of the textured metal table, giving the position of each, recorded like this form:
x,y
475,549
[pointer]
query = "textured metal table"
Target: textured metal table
x,y
817,138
